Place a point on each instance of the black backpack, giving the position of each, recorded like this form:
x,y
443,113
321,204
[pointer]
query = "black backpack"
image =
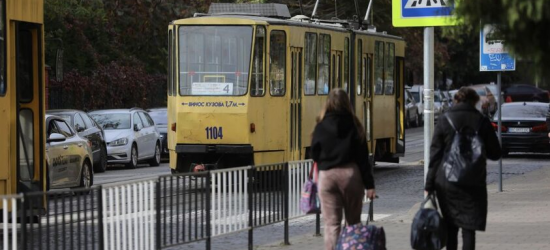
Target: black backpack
x,y
428,229
463,163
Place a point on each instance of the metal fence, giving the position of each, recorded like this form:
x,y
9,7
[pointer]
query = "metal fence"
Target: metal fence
x,y
129,215
157,213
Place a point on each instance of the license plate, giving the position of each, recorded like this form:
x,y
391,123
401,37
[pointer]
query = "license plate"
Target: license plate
x,y
519,130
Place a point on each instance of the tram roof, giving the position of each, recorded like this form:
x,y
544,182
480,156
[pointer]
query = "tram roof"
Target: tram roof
x,y
241,19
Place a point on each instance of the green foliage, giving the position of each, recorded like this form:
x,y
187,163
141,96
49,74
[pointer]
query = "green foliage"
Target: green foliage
x,y
522,23
102,37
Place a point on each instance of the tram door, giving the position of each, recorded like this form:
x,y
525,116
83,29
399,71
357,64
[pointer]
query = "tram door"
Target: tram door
x,y
400,104
296,105
336,74
366,74
30,109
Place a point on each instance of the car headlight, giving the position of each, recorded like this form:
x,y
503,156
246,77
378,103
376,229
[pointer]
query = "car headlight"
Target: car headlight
x,y
161,136
119,142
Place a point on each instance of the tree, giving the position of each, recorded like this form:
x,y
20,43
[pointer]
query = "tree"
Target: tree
x,y
522,24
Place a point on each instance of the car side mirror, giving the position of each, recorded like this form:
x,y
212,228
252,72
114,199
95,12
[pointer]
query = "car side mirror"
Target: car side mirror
x,y
137,127
78,128
56,137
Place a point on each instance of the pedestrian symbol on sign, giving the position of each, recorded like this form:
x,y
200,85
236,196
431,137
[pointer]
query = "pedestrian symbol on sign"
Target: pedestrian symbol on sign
x,y
426,8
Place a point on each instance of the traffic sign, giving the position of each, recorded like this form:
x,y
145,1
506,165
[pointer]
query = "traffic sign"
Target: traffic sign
x,y
422,13
493,55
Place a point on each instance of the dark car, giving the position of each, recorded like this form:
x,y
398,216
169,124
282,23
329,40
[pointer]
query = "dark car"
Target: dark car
x,y
525,93
87,128
160,117
524,127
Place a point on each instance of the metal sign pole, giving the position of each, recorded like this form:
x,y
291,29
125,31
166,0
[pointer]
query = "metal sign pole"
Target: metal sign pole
x,y
428,95
499,87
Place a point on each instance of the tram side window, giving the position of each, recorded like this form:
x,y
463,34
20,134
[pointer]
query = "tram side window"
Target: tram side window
x,y
310,63
257,87
390,68
359,68
378,68
277,57
3,83
346,65
169,84
323,85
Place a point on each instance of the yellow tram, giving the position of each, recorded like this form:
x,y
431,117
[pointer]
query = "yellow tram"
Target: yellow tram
x,y
22,136
246,88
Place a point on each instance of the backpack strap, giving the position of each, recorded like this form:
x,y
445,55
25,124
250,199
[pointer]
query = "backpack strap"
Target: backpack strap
x,y
450,122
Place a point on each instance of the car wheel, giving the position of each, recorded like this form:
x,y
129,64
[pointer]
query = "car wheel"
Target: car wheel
x,y
155,161
133,158
417,120
420,120
407,121
505,153
102,166
86,176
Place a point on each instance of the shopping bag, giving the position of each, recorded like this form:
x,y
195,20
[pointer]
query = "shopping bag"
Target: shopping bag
x,y
362,236
428,230
309,202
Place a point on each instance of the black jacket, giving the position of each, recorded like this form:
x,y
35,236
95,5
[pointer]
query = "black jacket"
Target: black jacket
x,y
465,207
336,142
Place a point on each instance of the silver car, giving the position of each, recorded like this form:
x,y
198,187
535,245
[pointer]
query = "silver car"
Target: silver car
x,y
131,136
68,156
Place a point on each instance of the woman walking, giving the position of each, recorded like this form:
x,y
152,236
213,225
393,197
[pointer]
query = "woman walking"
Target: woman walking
x,y
339,147
462,206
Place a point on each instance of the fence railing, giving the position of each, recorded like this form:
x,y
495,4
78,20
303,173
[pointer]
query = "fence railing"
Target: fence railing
x,y
157,213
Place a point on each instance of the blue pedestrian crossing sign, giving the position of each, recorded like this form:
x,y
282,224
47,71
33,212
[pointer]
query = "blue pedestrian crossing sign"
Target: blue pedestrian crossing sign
x,y
422,13
493,55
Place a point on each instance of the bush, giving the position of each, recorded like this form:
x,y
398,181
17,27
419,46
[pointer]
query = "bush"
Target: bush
x,y
115,85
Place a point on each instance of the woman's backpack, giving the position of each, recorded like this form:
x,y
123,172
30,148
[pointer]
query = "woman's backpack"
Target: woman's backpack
x,y
463,163
428,230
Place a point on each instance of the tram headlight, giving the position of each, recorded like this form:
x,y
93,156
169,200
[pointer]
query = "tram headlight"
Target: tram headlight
x,y
119,142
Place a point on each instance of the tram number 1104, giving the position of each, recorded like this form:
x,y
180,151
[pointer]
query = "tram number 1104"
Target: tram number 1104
x,y
214,133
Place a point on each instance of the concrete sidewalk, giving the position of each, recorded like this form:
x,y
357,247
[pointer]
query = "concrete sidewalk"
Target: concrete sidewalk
x,y
519,218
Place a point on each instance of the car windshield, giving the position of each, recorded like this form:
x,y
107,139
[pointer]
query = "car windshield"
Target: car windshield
x,y
524,111
65,117
112,121
480,92
214,60
416,96
160,117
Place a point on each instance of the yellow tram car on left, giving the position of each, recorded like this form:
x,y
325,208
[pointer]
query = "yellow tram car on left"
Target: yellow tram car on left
x,y
22,133
245,89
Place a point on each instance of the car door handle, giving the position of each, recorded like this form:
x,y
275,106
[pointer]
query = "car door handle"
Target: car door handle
x,y
65,147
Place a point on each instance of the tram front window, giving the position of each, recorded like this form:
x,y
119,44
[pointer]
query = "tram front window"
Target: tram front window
x,y
214,60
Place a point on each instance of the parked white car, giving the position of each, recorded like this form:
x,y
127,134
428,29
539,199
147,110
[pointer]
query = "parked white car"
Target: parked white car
x,y
68,156
131,136
417,93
